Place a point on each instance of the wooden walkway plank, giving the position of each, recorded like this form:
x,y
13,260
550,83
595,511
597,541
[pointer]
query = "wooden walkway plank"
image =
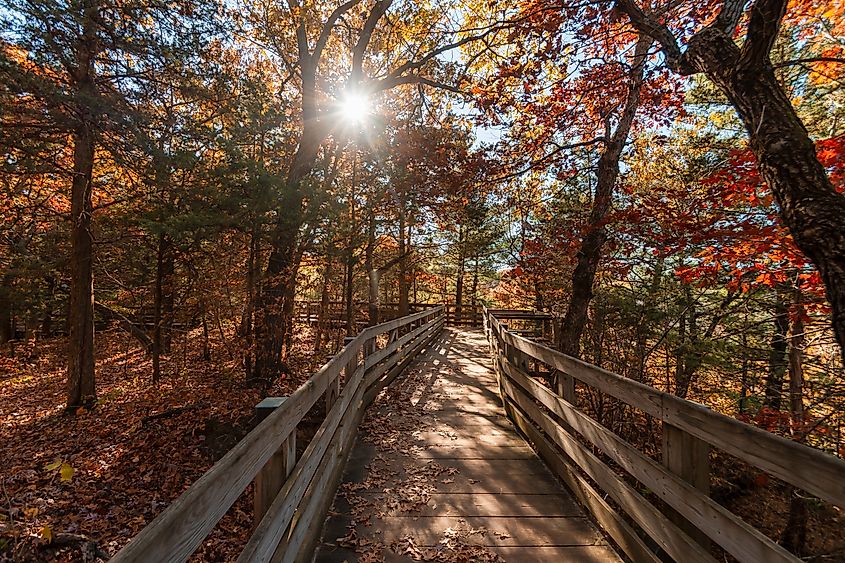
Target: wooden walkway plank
x,y
438,466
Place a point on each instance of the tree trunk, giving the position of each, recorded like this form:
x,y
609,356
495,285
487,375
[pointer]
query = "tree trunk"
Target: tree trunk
x,y
6,326
325,296
81,389
279,282
794,536
404,286
777,356
459,281
590,252
272,317
157,307
248,319
47,315
474,291
369,266
349,291
168,297
809,205
206,348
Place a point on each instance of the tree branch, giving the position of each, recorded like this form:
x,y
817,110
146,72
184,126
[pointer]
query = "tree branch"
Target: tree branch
x,y
360,49
795,62
654,29
388,83
729,15
763,27
326,32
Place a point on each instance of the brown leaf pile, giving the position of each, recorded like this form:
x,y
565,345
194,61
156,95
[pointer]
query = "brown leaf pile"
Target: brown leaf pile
x,y
77,487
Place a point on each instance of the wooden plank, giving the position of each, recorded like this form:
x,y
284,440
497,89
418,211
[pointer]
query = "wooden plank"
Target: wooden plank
x,y
477,452
272,477
610,521
807,468
305,533
406,356
488,504
677,544
492,530
557,554
725,528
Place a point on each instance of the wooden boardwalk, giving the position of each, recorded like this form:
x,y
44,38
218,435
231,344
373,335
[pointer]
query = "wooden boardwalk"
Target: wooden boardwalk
x,y
438,469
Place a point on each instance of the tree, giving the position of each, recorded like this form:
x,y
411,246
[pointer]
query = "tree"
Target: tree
x,y
809,205
80,64
415,61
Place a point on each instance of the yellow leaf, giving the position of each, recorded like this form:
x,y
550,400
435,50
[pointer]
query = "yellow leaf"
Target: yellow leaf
x,y
47,534
66,472
54,465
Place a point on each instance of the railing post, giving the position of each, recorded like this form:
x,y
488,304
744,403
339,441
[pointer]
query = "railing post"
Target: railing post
x,y
369,347
565,386
689,458
272,476
333,388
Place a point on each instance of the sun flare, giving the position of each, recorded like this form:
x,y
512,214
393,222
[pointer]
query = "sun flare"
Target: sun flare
x,y
355,107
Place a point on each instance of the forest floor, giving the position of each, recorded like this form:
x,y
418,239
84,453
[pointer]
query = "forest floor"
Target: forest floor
x,y
74,487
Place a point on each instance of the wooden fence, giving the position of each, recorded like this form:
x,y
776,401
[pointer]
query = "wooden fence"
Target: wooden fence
x,y
291,496
685,520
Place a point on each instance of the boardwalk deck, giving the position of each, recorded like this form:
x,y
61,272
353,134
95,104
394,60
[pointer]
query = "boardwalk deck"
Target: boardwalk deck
x,y
438,464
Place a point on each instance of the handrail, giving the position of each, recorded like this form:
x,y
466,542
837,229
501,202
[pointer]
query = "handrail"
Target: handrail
x,y
177,532
682,480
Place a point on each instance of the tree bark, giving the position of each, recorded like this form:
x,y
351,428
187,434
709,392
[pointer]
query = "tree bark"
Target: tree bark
x,y
157,306
404,286
590,251
278,285
168,297
786,156
794,536
81,388
369,266
773,392
6,328
459,281
325,295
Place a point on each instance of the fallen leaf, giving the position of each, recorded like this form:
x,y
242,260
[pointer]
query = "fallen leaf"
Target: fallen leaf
x,y
66,472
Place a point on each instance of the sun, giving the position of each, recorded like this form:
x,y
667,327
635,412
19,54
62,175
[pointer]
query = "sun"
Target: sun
x,y
355,107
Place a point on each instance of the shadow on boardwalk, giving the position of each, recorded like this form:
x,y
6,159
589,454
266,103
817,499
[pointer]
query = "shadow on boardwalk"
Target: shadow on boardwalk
x,y
439,474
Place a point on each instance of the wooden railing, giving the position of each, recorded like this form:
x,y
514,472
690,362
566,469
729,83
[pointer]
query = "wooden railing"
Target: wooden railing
x,y
566,438
290,498
335,313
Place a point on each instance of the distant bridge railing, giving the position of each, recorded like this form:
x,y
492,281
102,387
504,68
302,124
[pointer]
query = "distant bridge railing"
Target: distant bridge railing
x,y
333,313
565,437
291,496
